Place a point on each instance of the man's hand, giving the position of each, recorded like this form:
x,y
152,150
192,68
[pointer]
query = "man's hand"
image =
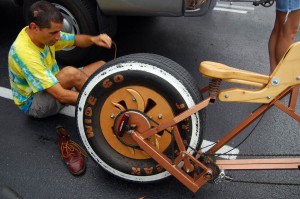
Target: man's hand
x,y
64,96
102,40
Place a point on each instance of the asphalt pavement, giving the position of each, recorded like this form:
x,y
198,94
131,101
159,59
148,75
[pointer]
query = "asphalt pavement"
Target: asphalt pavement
x,y
237,36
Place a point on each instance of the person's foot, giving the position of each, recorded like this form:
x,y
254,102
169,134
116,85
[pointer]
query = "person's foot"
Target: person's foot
x,y
190,5
199,3
72,154
194,5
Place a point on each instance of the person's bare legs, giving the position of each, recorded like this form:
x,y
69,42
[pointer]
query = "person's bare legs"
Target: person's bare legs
x,y
91,68
272,44
284,34
70,77
287,33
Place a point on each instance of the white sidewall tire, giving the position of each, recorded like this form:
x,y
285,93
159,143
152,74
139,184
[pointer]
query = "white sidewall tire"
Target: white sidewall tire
x,y
196,135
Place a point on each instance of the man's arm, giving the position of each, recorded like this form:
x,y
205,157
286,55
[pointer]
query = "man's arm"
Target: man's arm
x,y
64,96
87,40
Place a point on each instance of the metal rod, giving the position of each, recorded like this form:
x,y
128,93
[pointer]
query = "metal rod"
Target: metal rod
x,y
176,119
166,163
251,118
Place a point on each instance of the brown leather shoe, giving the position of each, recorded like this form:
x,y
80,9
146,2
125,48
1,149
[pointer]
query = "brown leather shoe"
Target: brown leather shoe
x,y
72,154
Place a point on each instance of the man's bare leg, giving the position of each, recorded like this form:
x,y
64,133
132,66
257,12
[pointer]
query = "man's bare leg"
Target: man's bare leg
x,y
272,45
287,33
91,68
70,77
282,36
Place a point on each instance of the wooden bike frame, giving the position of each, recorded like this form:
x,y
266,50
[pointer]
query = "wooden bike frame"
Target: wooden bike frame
x,y
185,162
269,91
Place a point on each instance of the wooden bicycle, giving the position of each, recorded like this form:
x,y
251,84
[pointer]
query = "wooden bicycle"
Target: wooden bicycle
x,y
141,117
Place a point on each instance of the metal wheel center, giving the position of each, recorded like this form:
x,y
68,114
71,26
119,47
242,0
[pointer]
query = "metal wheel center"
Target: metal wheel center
x,y
125,121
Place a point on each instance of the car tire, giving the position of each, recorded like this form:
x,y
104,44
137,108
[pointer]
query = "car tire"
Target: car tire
x,y
80,17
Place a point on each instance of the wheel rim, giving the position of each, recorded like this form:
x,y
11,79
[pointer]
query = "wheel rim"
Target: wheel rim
x,y
70,24
148,104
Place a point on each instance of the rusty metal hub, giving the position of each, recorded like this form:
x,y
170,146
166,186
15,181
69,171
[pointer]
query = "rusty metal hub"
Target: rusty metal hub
x,y
130,120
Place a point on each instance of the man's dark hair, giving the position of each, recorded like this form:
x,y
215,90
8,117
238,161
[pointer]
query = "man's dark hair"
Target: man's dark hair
x,y
42,13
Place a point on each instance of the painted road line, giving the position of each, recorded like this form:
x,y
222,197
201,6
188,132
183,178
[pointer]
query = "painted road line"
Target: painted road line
x,y
206,145
67,110
230,10
235,7
70,111
6,93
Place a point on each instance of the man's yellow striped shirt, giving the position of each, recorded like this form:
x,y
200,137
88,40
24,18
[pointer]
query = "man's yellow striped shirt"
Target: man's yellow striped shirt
x,y
32,69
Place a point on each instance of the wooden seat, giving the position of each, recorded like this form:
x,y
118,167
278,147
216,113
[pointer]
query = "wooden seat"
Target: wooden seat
x,y
286,74
226,73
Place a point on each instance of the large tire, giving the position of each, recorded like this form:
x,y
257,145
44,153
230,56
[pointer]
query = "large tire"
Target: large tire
x,y
153,88
80,17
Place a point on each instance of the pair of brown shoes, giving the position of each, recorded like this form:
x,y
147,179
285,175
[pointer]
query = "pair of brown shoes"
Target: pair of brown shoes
x,y
72,154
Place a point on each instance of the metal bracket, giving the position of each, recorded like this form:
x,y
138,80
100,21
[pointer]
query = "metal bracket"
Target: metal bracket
x,y
222,177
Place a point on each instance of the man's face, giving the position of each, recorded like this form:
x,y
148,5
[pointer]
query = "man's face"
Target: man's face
x,y
48,36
